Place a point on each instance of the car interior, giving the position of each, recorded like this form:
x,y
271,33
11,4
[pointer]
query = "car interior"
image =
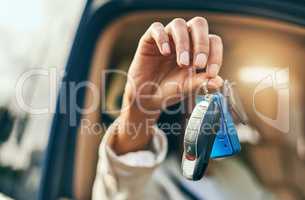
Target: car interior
x,y
264,59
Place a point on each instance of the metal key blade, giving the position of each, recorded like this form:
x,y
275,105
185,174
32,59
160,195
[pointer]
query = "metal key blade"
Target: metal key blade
x,y
234,102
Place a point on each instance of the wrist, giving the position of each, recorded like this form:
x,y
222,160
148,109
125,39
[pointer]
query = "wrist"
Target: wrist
x,y
135,117
135,130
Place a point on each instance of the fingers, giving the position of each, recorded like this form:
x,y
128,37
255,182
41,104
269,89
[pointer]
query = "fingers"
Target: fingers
x,y
161,38
215,55
179,33
157,34
194,84
194,81
199,79
180,36
199,30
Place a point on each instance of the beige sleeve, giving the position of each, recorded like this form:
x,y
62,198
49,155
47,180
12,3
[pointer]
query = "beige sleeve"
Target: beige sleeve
x,y
127,176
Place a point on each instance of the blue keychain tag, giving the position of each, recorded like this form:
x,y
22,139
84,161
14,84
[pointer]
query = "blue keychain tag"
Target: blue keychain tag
x,y
226,142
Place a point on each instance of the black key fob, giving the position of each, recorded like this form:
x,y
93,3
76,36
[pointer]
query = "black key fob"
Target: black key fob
x,y
199,137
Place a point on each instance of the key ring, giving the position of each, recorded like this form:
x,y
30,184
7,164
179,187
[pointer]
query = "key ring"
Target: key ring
x,y
204,87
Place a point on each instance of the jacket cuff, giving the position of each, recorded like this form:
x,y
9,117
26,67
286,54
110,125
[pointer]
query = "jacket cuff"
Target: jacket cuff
x,y
134,165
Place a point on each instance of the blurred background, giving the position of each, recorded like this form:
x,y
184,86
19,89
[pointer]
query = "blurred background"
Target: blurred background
x,y
33,34
264,56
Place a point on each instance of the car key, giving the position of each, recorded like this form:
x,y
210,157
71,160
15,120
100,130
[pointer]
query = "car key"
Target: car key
x,y
233,101
200,136
226,142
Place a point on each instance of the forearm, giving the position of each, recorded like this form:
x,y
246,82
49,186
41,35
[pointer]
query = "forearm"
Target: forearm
x,y
135,131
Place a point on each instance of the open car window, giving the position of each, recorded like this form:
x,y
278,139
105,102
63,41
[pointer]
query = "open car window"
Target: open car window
x,y
263,58
254,61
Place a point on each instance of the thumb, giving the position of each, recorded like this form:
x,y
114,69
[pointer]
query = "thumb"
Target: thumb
x,y
194,83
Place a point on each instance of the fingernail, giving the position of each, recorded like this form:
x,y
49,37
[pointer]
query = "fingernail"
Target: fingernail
x,y
165,48
213,69
201,60
184,58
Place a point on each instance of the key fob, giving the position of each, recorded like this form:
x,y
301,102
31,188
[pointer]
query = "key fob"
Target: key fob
x,y
226,142
199,137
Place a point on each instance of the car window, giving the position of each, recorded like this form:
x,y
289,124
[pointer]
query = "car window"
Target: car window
x,y
265,61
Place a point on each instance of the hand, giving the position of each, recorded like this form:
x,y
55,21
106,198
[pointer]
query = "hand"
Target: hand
x,y
163,72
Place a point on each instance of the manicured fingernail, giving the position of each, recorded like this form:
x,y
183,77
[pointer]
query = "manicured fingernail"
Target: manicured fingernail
x,y
213,69
184,58
201,60
165,48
